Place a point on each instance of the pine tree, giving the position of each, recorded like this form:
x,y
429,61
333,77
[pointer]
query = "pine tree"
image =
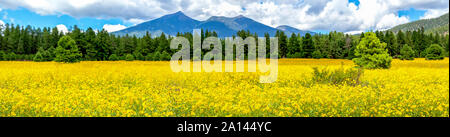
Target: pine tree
x,y
406,53
371,53
67,50
308,46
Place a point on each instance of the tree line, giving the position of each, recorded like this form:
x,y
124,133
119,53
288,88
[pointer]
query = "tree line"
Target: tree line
x,y
48,44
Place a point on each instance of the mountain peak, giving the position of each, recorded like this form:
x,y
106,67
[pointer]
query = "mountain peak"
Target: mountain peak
x,y
178,13
174,23
240,16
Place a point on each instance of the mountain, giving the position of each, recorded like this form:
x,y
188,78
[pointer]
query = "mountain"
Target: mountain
x,y
289,30
224,26
169,24
439,25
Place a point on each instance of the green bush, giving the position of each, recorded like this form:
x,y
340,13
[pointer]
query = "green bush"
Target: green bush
x,y
295,55
371,53
149,57
38,57
156,56
406,53
11,56
67,51
113,57
434,52
129,57
316,54
139,56
165,56
350,76
2,56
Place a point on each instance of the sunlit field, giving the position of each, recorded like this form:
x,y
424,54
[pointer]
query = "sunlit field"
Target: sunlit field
x,y
416,88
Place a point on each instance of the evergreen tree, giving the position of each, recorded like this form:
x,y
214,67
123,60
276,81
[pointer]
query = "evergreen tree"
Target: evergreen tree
x,y
308,46
67,50
371,53
434,52
406,53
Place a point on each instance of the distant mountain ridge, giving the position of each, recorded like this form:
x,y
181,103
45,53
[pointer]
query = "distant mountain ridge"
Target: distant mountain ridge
x,y
439,25
171,24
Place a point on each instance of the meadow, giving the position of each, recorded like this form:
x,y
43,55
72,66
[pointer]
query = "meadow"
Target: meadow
x,y
418,88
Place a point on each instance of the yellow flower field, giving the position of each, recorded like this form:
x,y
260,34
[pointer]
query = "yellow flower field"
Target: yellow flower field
x,y
416,88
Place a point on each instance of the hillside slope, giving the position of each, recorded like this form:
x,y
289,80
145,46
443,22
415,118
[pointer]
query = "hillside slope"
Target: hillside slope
x,y
439,25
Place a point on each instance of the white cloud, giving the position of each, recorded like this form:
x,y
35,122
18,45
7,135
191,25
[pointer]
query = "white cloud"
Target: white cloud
x,y
112,28
390,20
2,23
135,21
337,15
62,28
434,13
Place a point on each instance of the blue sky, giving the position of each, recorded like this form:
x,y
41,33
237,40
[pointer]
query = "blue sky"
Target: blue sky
x,y
97,14
24,17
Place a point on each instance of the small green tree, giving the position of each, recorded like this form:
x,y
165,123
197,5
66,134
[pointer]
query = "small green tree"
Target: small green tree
x,y
67,50
2,55
12,56
38,57
139,56
129,57
164,56
113,57
371,53
316,54
149,57
434,52
406,53
156,56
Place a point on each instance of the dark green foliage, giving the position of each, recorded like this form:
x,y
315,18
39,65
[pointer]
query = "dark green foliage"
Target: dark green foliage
x,y
139,56
156,56
11,56
67,51
435,52
2,56
129,57
26,42
406,53
295,55
308,46
164,56
113,57
316,54
282,42
371,53
38,57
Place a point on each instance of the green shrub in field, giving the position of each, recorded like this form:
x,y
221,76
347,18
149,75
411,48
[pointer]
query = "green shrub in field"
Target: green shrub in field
x,y
316,54
11,56
371,53
38,57
2,56
139,56
129,57
350,76
67,50
149,57
406,53
164,56
113,57
295,55
434,52
156,56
